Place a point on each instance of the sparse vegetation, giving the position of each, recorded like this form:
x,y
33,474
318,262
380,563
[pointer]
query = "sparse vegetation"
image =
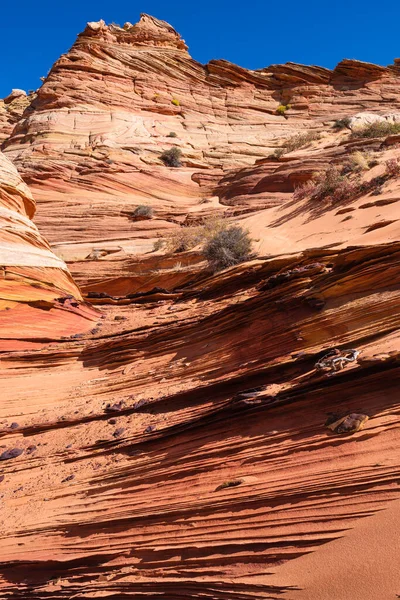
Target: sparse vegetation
x,y
296,142
143,212
175,102
229,247
282,108
222,244
342,123
278,152
361,161
330,184
186,238
376,130
301,140
158,245
228,484
392,167
172,157
172,134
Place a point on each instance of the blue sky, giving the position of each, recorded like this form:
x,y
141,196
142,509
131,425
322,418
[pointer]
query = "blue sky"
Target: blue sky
x,y
253,34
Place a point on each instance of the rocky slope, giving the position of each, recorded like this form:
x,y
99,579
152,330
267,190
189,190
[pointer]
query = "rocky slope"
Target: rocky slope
x,y
195,442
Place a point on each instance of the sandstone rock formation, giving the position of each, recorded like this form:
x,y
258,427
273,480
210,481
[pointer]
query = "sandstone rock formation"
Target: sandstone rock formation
x,y
187,446
38,299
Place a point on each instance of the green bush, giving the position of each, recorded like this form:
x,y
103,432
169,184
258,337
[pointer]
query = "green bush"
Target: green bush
x,y
282,108
172,134
376,130
175,102
172,157
228,247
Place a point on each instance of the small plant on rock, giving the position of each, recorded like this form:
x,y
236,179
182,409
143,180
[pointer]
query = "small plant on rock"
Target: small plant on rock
x,y
228,247
282,108
175,102
330,184
360,161
300,140
296,142
172,134
143,212
172,157
158,245
392,167
342,123
376,130
278,153
304,190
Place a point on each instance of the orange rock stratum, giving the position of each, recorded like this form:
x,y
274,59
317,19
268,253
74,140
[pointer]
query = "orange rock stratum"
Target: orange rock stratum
x,y
173,432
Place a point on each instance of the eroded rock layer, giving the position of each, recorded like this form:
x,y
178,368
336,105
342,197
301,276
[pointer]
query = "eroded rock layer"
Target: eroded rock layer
x,y
228,435
38,298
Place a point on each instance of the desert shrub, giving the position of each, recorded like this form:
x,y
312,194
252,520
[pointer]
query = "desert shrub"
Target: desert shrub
x,y
392,167
377,129
282,108
344,189
172,157
278,152
360,161
228,247
186,238
158,244
228,484
172,134
303,190
175,102
300,140
295,142
333,185
330,184
143,211
342,123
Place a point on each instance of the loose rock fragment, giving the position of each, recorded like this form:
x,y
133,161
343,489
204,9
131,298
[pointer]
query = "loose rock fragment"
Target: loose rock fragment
x,y
150,429
336,360
116,407
118,432
348,424
12,453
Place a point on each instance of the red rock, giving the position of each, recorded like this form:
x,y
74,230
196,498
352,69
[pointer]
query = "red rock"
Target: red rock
x,y
228,375
33,277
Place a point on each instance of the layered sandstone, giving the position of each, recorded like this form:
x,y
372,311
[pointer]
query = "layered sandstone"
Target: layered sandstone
x,y
185,446
38,298
90,143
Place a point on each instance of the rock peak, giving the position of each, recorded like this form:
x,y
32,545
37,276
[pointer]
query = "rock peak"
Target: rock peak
x,y
148,31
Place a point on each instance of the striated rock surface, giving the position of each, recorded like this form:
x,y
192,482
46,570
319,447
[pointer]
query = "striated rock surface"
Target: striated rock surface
x,y
38,299
231,435
11,109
